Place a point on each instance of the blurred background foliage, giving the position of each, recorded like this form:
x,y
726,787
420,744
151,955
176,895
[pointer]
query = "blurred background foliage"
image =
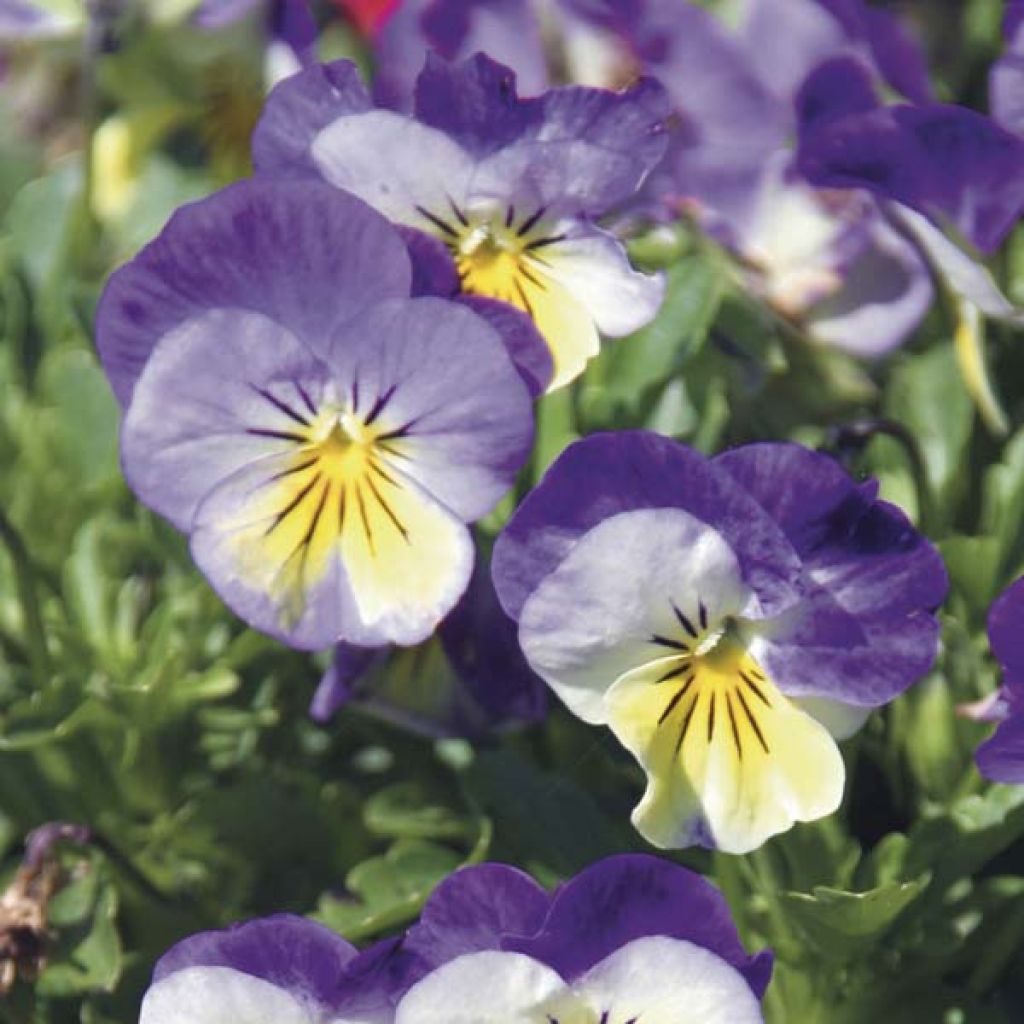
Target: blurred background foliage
x,y
132,702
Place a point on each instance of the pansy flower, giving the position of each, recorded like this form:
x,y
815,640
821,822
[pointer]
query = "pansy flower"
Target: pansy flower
x,y
322,438
728,619
283,969
511,187
469,679
630,938
1002,757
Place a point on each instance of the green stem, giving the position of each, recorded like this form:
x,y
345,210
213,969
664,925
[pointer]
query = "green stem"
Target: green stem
x,y
999,951
24,576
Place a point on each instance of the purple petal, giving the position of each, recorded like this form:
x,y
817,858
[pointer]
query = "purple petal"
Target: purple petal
x,y
1006,629
297,109
301,253
609,473
1001,758
302,957
523,342
839,88
886,293
433,269
214,14
861,555
335,689
475,102
630,896
949,163
21,19
1006,79
292,23
507,30
478,908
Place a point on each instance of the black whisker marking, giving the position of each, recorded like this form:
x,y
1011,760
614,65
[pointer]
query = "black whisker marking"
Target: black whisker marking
x,y
532,278
381,472
676,698
530,221
341,506
308,539
757,690
283,407
388,511
753,721
441,225
292,505
293,470
686,724
673,673
304,395
522,295
378,406
732,722
711,716
540,243
663,641
684,621
703,613
361,502
396,434
460,216
510,215
280,435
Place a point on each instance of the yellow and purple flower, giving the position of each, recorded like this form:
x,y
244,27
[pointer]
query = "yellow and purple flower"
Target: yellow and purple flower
x,y
631,938
321,437
511,187
728,619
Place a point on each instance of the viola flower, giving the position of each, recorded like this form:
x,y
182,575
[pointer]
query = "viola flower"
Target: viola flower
x,y
510,186
1002,757
468,680
281,968
629,938
322,438
1006,79
728,619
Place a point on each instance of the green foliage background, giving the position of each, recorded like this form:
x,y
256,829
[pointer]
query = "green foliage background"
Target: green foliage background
x,y
132,701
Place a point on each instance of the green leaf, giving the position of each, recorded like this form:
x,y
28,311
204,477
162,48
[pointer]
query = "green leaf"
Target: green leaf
x,y
407,810
844,925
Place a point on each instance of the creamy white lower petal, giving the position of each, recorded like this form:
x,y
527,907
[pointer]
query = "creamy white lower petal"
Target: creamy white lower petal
x,y
615,600
217,995
730,760
659,980
491,988
595,270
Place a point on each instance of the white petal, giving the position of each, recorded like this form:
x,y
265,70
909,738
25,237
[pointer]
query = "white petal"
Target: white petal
x,y
215,995
594,617
595,270
489,988
658,980
395,164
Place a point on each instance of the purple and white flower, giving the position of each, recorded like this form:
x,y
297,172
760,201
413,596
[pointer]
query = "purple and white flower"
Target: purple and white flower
x,y
728,619
321,437
511,187
1002,757
629,938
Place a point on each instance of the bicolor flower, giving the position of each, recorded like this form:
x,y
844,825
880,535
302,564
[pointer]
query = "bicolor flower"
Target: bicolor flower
x,y
630,938
939,170
469,679
728,619
511,187
1002,757
322,438
284,969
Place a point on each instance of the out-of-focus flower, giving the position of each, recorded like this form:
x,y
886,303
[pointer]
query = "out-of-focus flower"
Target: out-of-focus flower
x,y
510,186
282,968
467,680
1006,79
368,16
30,20
725,617
826,260
1002,757
321,437
629,938
939,169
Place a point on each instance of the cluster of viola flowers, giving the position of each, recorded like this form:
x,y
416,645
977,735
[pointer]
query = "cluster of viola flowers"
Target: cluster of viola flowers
x,y
328,373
